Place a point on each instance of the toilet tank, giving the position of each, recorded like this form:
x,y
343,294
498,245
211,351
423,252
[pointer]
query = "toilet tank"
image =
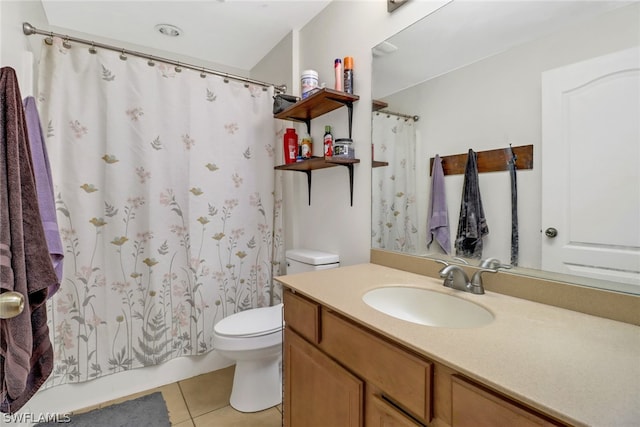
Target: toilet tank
x,y
303,260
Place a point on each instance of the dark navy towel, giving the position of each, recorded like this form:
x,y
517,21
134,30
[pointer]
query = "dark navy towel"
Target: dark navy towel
x,y
514,207
472,225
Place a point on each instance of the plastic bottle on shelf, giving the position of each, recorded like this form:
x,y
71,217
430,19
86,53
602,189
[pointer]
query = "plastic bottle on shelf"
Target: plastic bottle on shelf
x,y
348,74
306,147
308,83
337,65
290,146
328,142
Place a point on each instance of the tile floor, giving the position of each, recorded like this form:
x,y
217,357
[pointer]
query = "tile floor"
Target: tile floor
x,y
195,402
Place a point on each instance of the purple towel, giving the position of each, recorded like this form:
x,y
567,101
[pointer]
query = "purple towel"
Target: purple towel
x,y
44,187
438,217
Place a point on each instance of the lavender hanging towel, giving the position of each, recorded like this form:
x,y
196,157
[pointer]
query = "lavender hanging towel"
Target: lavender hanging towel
x,y
44,187
438,216
472,225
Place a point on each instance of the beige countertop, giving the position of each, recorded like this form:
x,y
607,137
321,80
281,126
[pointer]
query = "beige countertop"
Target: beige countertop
x,y
579,368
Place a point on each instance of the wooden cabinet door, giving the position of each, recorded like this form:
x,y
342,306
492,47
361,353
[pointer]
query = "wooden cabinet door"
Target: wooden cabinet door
x,y
302,315
473,406
317,391
380,413
403,377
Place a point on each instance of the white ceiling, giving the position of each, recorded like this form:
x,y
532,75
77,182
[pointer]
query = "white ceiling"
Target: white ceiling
x,y
235,33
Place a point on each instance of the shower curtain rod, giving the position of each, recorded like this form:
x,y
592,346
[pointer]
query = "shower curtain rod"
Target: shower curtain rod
x,y
392,113
29,29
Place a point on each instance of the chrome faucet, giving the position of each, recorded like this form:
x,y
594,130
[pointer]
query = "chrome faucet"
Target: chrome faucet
x,y
456,278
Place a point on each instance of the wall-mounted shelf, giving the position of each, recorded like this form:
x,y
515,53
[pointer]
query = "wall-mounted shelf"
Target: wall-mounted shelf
x,y
315,105
321,102
314,163
378,164
376,105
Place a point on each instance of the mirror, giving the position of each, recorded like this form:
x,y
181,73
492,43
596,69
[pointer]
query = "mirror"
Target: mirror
x,y
483,76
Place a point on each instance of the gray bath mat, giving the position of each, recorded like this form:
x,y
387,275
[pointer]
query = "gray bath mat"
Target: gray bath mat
x,y
149,410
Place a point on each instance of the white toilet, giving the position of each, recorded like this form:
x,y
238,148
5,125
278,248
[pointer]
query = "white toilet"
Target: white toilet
x,y
253,338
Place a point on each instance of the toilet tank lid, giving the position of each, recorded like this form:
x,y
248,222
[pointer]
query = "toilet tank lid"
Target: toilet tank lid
x,y
252,322
312,257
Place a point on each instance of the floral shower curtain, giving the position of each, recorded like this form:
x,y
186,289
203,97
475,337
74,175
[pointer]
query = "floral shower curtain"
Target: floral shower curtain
x,y
167,204
393,200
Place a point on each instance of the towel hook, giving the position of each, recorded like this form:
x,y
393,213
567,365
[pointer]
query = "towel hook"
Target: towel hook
x,y
514,157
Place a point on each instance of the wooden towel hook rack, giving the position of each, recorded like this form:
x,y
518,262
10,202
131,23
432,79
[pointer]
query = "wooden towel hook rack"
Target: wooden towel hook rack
x,y
488,161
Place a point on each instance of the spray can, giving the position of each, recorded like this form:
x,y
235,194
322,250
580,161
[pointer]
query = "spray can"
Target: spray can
x,y
328,142
348,74
337,65
290,146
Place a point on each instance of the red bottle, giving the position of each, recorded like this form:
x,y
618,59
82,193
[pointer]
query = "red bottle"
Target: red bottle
x,y
290,146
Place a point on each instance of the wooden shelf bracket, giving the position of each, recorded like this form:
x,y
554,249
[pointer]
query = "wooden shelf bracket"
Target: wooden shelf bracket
x,y
314,163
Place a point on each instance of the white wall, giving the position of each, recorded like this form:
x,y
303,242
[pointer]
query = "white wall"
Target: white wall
x,y
276,67
16,50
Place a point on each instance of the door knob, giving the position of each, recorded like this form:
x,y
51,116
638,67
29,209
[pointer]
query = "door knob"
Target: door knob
x,y
551,232
11,304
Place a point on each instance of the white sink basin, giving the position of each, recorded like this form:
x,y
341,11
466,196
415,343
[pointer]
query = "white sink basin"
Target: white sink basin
x,y
427,307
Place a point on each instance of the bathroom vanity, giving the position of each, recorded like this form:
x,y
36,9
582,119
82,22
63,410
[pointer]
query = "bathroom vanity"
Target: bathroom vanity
x,y
347,364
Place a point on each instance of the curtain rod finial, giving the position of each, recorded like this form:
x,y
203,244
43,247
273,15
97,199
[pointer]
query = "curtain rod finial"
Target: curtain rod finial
x,y
28,29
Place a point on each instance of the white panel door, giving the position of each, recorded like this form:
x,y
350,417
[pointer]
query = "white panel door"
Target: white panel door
x,y
591,169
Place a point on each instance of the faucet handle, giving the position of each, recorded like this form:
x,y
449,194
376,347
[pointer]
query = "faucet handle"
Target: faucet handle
x,y
440,261
448,275
493,263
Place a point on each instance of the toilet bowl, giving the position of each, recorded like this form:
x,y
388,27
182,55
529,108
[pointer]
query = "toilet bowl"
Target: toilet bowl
x,y
253,338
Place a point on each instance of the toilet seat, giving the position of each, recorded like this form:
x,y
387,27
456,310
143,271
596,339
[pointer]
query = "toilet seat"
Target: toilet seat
x,y
255,322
